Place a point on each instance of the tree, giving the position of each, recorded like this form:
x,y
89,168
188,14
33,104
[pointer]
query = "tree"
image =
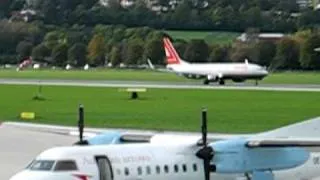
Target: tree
x,y
77,54
267,51
17,5
115,56
154,51
180,46
197,51
53,38
4,7
135,52
40,53
89,3
219,54
182,13
49,10
309,58
287,54
59,54
97,50
24,49
241,51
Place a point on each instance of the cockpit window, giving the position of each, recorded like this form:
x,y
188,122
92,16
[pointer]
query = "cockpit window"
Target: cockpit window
x,y
65,165
41,165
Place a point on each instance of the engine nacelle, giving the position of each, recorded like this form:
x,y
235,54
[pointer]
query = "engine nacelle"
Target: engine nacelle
x,y
212,78
232,156
105,138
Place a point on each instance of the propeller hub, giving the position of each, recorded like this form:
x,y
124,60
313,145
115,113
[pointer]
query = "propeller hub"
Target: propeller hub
x,y
205,153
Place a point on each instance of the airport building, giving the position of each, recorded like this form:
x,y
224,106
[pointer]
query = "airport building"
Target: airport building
x,y
309,3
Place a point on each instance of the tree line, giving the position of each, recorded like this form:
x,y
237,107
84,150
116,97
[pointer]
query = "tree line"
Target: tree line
x,y
227,15
104,44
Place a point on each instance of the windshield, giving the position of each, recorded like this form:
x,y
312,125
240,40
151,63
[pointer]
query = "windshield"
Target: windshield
x,y
41,165
65,165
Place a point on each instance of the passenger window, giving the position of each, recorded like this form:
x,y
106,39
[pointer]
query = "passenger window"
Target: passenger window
x,y
176,168
166,168
126,171
158,169
66,165
184,168
195,167
148,169
41,165
139,171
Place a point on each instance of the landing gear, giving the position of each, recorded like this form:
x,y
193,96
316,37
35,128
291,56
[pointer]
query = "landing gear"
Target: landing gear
x,y
221,82
206,82
256,82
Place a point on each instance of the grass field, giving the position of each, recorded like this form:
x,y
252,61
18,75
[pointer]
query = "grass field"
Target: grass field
x,y
146,75
214,37
169,109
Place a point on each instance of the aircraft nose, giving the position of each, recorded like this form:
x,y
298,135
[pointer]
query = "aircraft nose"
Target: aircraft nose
x,y
265,72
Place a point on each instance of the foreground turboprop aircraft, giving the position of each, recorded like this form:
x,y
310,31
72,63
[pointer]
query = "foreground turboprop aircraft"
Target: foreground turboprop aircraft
x,y
212,72
286,153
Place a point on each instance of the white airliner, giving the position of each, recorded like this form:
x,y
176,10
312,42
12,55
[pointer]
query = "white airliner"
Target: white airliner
x,y
286,153
212,72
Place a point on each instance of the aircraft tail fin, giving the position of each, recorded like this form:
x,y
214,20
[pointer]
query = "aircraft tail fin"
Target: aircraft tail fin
x,y
306,129
171,54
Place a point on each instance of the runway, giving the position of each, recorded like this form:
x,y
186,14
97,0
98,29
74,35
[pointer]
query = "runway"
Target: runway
x,y
170,85
19,146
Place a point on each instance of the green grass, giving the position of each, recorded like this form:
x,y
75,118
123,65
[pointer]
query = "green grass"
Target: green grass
x,y
293,78
162,109
146,75
214,37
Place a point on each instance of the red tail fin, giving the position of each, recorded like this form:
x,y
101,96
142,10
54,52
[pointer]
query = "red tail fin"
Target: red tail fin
x,y
171,53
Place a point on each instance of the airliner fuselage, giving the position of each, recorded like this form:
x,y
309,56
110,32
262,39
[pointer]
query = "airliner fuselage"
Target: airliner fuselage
x,y
237,72
138,162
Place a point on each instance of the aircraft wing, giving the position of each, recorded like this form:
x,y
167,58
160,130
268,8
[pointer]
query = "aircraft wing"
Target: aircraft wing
x,y
126,135
284,142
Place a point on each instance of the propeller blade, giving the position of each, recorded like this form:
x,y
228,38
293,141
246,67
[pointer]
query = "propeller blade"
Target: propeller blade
x,y
204,126
206,165
81,123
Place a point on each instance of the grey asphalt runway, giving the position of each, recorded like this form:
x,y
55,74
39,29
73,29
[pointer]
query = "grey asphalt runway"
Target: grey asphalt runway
x,y
20,146
176,85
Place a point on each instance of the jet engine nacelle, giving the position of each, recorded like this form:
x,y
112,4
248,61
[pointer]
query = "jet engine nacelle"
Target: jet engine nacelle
x,y
232,156
212,78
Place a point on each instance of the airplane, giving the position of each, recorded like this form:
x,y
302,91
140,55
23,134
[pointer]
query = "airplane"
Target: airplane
x,y
212,72
290,152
